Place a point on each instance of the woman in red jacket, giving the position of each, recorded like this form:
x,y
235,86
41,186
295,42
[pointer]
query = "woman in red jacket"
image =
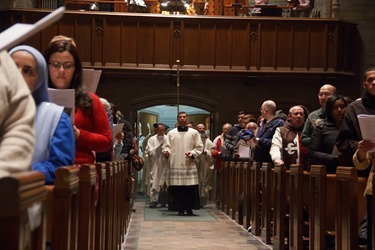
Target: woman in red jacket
x,y
91,127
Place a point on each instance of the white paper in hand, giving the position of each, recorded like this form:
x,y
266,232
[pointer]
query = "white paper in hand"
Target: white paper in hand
x,y
367,126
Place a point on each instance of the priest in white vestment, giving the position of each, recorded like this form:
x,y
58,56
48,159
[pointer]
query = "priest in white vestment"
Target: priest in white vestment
x,y
182,147
204,166
157,163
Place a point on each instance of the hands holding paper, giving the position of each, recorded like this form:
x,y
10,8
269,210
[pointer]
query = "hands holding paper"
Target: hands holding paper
x,y
363,147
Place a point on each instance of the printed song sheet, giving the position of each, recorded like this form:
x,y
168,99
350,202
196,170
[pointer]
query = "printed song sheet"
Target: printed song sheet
x,y
367,126
65,98
91,79
117,128
244,151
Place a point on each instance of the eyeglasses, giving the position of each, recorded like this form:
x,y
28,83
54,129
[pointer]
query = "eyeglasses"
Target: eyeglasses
x,y
66,65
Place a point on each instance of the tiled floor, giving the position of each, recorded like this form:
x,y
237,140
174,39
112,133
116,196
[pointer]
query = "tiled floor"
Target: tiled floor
x,y
222,234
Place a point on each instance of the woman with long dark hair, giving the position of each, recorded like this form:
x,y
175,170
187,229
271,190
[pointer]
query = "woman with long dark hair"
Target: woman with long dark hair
x,y
91,127
323,138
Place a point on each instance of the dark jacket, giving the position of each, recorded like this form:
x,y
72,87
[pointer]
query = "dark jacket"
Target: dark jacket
x,y
231,138
321,144
350,133
262,150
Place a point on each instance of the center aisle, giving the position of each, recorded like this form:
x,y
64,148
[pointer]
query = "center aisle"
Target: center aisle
x,y
221,234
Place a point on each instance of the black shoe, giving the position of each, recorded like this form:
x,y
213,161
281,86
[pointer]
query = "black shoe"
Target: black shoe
x,y
153,204
189,212
180,213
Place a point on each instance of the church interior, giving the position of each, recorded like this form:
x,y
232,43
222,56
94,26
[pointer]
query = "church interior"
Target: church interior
x,y
210,58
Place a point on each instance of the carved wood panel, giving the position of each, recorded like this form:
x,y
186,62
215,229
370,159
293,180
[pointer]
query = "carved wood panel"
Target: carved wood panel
x,y
125,40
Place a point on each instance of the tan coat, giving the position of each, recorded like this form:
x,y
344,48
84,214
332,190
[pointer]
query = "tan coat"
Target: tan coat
x,y
362,166
17,111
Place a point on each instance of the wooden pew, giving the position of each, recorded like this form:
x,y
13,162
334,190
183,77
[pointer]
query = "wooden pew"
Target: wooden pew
x,y
232,208
64,209
86,209
320,185
298,203
116,210
109,206
247,194
351,206
243,191
280,207
225,188
120,202
127,205
100,216
256,201
267,202
239,182
18,193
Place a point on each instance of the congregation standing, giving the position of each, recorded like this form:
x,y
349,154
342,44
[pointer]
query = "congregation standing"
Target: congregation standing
x,y
41,134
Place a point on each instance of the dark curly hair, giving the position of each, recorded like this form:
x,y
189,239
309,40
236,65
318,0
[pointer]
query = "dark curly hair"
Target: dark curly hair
x,y
82,97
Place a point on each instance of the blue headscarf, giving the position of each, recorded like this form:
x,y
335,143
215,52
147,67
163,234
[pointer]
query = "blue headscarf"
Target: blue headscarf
x,y
40,93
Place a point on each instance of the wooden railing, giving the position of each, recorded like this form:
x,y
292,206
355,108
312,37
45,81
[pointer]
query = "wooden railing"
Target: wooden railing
x,y
295,209
86,208
23,211
118,41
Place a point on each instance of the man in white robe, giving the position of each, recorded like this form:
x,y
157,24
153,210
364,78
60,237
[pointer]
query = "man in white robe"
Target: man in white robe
x,y
182,147
147,166
157,163
204,162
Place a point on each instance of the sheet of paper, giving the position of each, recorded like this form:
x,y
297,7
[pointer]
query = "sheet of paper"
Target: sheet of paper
x,y
117,128
367,125
65,98
244,151
21,31
90,79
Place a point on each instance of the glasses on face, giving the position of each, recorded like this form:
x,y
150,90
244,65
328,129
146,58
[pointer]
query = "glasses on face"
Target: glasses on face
x,y
66,65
